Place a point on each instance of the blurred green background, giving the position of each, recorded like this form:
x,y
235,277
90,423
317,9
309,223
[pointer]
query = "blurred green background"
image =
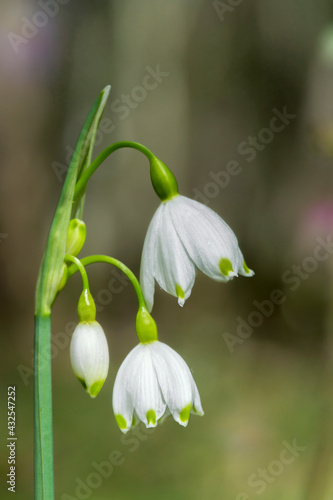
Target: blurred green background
x,y
223,71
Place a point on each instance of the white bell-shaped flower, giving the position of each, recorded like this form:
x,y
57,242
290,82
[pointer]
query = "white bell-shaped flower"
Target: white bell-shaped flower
x,y
154,381
90,356
185,235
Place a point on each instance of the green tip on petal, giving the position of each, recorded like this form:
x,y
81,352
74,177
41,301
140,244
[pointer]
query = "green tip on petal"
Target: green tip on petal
x,y
200,413
225,267
184,415
83,382
121,422
95,388
151,417
180,292
246,269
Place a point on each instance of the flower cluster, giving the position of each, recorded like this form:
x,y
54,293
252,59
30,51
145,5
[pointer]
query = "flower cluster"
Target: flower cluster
x,y
154,381
184,237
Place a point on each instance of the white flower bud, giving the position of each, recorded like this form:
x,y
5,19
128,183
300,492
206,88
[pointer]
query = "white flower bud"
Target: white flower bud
x,y
90,356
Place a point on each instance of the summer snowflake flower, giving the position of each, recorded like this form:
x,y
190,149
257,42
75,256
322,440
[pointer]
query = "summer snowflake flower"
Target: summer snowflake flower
x,y
90,356
154,381
185,235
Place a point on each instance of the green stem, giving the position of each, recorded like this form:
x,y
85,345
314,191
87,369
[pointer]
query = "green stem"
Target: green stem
x,y
80,266
47,285
92,259
84,178
44,486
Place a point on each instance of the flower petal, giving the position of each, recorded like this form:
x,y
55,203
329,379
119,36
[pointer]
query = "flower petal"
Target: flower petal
x,y
174,378
148,402
174,270
166,414
148,259
197,407
207,238
125,387
245,271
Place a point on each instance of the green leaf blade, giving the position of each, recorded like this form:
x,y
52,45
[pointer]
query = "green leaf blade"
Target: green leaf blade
x,y
51,268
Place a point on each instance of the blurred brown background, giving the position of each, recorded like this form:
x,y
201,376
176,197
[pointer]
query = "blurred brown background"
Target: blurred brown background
x,y
220,74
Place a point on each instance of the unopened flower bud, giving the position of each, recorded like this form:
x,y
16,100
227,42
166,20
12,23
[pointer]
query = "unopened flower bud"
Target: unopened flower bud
x,y
76,237
90,356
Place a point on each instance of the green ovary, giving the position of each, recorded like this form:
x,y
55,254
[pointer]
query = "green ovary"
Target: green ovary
x,y
225,267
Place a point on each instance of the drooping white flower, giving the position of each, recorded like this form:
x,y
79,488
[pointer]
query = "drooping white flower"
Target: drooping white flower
x,y
153,382
183,236
90,356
